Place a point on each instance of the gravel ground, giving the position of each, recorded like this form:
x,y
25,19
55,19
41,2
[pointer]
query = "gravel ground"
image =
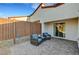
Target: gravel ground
x,y
49,47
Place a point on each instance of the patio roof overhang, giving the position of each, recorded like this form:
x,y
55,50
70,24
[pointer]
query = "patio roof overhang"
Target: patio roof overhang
x,y
61,20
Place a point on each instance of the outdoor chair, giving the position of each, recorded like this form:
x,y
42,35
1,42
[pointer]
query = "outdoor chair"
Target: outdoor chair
x,y
47,36
36,39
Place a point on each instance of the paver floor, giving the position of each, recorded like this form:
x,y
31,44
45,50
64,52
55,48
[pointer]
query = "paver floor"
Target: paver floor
x,y
4,51
49,47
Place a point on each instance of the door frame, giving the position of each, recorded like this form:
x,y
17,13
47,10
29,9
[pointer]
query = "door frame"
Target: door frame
x,y
55,29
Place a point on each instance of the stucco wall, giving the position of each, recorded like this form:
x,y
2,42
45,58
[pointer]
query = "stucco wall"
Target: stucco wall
x,y
71,28
49,27
36,16
65,11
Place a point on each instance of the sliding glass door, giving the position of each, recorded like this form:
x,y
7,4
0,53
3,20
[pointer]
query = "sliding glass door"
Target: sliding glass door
x,y
60,29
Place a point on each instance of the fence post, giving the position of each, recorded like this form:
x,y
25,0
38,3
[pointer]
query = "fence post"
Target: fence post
x,y
14,38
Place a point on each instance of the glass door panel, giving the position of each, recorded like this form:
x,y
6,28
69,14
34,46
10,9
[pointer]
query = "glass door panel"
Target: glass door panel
x,y
60,29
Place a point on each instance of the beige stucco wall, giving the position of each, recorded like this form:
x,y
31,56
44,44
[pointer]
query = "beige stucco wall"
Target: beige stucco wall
x,y
71,28
65,11
49,27
36,16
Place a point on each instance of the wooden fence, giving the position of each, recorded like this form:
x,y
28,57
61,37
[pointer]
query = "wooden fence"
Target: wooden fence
x,y
18,29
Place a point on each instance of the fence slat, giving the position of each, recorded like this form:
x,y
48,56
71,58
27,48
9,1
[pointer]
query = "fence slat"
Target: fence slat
x,y
18,29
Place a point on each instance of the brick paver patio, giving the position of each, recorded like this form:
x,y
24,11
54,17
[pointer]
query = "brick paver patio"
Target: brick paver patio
x,y
49,47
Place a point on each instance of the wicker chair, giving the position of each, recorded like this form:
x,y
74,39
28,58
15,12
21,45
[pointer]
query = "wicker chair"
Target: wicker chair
x,y
36,39
47,36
